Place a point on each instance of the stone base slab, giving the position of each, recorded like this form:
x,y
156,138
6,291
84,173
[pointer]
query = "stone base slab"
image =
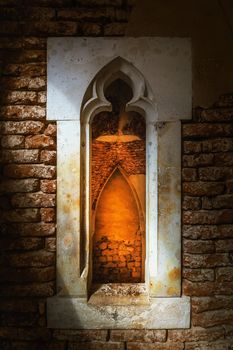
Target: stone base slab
x,y
160,313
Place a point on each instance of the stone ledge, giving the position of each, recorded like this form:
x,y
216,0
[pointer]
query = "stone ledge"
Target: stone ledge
x,y
161,313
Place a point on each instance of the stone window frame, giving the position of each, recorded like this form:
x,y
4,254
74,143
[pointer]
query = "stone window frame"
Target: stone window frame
x,y
163,306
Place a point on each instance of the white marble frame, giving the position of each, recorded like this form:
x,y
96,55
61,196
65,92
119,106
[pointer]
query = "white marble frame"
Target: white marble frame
x,y
163,237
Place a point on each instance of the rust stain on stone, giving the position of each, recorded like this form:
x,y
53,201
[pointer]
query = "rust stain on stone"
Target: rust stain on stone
x,y
171,291
174,274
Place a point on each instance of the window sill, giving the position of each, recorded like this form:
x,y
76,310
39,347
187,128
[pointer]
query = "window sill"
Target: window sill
x,y
159,313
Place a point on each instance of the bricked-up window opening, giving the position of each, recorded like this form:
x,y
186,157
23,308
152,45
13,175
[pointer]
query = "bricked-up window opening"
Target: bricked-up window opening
x,y
118,190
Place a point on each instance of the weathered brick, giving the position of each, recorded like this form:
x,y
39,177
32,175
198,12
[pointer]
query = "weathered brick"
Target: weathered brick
x,y
115,28
207,231
19,156
206,260
222,159
198,160
213,318
48,157
203,188
215,173
23,112
28,243
51,130
156,346
46,289
195,247
89,29
86,13
229,185
41,97
39,229
37,13
205,130
12,141
217,115
96,345
25,171
206,289
191,203
147,336
23,185
224,216
25,333
23,127
219,345
20,215
190,147
30,274
224,245
47,214
202,304
19,97
198,275
224,274
33,200
28,83
48,186
38,258
80,335
49,28
39,141
25,70
50,244
189,174
218,145
196,334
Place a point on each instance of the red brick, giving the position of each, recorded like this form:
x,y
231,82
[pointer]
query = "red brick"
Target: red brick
x,y
19,156
28,83
23,185
198,160
39,141
51,130
215,115
12,141
48,186
20,215
48,157
46,289
47,214
206,289
25,171
33,200
23,112
25,70
224,216
222,159
25,127
198,275
38,258
203,188
96,345
195,247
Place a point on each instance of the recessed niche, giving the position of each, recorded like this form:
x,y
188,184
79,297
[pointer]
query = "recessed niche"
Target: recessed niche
x,y
118,165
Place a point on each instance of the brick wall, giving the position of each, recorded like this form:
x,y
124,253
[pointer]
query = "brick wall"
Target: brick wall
x,y
28,174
